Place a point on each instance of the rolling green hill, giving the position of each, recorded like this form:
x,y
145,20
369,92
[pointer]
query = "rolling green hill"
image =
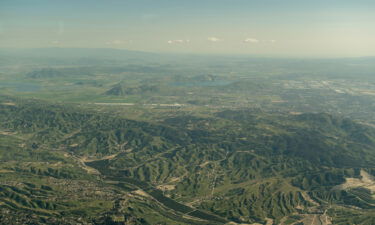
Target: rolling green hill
x,y
233,165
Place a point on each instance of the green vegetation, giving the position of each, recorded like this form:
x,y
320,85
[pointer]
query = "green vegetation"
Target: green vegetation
x,y
263,166
186,143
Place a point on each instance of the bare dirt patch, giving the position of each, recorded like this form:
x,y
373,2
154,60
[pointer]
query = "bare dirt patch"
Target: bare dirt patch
x,y
8,103
7,133
366,181
141,193
166,187
204,164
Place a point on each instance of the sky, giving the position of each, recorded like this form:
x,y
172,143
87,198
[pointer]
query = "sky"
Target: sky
x,y
314,28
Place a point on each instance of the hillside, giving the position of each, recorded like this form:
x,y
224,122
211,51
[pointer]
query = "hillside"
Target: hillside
x,y
268,166
122,89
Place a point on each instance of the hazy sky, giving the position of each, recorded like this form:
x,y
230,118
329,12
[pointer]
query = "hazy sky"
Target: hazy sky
x,y
263,27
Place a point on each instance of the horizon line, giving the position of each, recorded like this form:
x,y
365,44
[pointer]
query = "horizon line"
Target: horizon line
x,y
242,55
